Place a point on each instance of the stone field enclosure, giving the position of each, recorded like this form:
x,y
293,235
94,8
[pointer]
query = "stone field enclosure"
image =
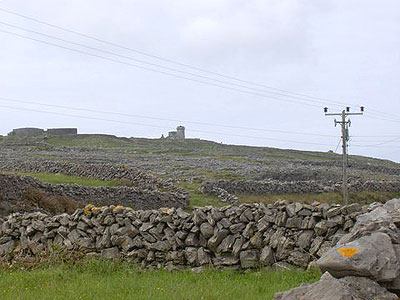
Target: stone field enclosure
x,y
173,217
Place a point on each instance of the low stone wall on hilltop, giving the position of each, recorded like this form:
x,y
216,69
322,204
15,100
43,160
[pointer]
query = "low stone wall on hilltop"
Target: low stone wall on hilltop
x,y
244,236
13,187
295,187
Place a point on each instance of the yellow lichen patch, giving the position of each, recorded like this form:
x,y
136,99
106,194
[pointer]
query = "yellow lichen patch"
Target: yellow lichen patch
x,y
90,208
348,252
95,208
118,209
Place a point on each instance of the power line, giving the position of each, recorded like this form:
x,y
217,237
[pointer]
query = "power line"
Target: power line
x,y
380,144
156,65
164,59
160,119
386,114
179,63
383,119
157,71
156,126
340,139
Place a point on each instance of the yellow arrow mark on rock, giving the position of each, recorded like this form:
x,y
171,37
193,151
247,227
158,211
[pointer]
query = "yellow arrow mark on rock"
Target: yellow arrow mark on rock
x,y
348,252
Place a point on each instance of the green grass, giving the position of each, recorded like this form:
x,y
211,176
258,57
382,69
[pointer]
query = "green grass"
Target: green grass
x,y
61,178
96,279
199,199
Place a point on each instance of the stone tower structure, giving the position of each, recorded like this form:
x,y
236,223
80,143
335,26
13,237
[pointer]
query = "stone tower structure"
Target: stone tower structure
x,y
180,132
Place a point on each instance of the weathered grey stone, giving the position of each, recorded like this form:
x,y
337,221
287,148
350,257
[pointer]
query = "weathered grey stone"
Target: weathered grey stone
x,y
85,243
217,238
267,257
203,257
237,246
256,240
370,256
325,247
352,208
378,220
335,221
226,244
236,228
111,253
299,259
330,288
104,241
192,240
316,244
191,255
73,236
146,227
304,239
162,246
82,226
221,261
334,211
321,228
249,258
207,230
199,216
7,248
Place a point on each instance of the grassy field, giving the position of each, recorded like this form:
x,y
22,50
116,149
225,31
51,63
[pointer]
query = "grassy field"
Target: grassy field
x,y
199,199
61,178
97,279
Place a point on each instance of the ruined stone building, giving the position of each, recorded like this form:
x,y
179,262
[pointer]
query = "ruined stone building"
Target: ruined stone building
x,y
31,131
179,134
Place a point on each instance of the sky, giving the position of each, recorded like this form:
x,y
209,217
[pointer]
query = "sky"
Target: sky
x,y
293,58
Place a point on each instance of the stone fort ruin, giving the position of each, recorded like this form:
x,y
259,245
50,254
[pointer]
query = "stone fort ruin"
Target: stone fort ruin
x,y
31,131
179,134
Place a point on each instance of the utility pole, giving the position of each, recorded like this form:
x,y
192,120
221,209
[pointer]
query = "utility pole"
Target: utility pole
x,y
345,138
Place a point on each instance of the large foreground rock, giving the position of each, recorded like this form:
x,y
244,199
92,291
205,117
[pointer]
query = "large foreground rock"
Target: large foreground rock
x,y
370,256
347,288
381,219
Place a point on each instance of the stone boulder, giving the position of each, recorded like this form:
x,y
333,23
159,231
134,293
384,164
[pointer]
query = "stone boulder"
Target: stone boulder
x,y
370,256
381,219
346,288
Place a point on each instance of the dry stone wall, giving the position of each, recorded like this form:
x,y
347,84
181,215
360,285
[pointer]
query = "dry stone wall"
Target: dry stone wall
x,y
294,187
103,171
13,187
245,236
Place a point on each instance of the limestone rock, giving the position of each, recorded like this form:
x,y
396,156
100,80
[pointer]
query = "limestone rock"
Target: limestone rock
x,y
111,253
370,256
330,288
249,258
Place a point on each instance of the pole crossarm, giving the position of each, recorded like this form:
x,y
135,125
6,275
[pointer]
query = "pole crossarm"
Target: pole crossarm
x,y
347,114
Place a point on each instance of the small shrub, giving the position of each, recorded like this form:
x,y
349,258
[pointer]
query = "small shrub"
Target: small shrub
x,y
53,204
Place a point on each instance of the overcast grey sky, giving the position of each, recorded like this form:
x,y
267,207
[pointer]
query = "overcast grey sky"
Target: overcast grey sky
x,y
342,50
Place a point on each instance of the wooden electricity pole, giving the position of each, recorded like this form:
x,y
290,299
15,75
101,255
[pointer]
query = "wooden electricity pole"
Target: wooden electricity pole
x,y
345,124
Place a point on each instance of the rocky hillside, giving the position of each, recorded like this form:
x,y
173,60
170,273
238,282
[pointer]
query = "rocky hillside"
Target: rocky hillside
x,y
196,159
